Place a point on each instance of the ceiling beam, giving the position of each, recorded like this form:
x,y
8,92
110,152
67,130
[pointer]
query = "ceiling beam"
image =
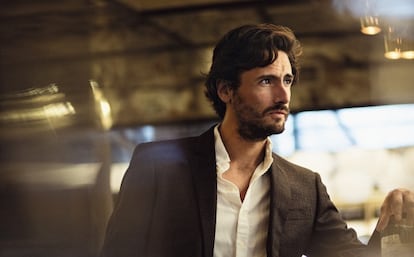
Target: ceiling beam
x,y
185,6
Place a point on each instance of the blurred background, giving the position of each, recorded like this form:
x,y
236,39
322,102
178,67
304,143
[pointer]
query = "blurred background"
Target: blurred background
x,y
83,81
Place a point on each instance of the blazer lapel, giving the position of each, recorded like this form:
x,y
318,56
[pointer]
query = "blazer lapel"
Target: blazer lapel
x,y
280,196
203,167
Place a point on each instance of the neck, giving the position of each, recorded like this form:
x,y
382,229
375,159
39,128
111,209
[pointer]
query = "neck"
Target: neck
x,y
245,153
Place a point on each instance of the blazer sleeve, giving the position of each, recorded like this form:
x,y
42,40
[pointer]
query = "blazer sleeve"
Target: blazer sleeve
x,y
131,219
331,236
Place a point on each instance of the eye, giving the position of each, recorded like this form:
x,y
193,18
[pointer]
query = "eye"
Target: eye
x,y
288,80
265,82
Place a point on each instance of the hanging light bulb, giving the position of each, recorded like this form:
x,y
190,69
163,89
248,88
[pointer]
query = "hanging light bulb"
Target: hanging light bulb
x,y
407,51
370,24
399,40
393,43
408,54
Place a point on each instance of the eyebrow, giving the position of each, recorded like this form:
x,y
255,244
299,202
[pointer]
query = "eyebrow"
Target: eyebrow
x,y
271,76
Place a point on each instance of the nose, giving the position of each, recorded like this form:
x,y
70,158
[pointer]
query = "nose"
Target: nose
x,y
281,93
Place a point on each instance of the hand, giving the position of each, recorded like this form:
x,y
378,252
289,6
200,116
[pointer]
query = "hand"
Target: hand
x,y
398,204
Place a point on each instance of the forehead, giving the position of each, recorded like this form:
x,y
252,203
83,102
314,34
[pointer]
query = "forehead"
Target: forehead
x,y
280,67
282,63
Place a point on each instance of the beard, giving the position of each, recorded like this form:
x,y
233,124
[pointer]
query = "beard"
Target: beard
x,y
252,124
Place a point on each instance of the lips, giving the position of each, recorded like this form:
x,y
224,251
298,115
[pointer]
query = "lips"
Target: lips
x,y
278,110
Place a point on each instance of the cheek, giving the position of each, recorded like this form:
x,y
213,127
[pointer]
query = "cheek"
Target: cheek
x,y
260,105
258,100
264,99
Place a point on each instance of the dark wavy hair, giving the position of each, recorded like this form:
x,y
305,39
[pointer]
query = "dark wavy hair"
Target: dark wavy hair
x,y
245,48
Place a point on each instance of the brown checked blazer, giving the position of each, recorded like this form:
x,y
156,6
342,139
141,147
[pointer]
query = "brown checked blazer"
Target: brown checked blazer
x,y
167,207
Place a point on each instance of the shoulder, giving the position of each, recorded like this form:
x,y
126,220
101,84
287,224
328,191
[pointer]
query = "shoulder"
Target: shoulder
x,y
163,149
291,168
167,149
297,177
304,185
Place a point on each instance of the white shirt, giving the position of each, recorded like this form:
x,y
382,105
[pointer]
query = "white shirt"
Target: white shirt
x,y
241,226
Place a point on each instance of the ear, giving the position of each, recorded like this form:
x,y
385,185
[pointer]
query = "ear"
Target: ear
x,y
224,91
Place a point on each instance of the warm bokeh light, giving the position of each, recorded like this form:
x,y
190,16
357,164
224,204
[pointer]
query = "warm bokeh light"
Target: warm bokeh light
x,y
407,54
371,30
370,25
102,105
393,55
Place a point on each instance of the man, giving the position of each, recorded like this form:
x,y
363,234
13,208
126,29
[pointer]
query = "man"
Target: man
x,y
225,193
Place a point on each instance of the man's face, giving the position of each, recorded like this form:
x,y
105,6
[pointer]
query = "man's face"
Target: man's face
x,y
261,103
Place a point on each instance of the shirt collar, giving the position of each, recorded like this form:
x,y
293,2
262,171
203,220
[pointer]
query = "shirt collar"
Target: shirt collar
x,y
223,159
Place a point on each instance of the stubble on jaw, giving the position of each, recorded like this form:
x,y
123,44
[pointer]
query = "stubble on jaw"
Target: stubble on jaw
x,y
251,123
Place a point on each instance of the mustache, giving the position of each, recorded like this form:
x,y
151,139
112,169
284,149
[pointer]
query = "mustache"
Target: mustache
x,y
278,107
